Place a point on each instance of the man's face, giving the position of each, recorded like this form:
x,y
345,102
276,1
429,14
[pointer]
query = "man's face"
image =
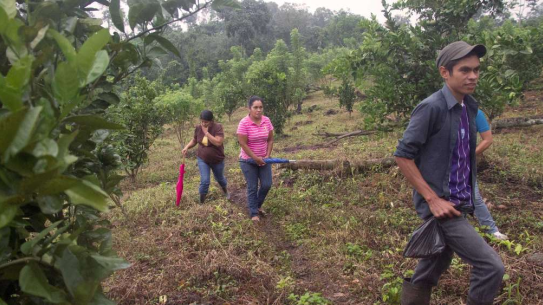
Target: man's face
x,y
464,77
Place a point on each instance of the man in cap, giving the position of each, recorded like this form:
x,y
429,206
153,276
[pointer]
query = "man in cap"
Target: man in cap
x,y
437,156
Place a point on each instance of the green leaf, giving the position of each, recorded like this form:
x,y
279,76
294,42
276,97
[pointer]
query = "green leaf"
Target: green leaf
x,y
39,36
93,122
87,54
65,46
142,11
12,85
64,142
2,301
50,204
509,73
218,4
101,299
156,51
88,194
19,74
65,84
46,147
111,263
99,66
28,246
57,185
109,97
165,43
7,212
116,14
9,7
34,282
32,183
17,129
3,20
11,98
70,267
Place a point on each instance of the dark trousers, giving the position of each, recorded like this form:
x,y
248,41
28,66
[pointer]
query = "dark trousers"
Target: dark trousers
x,y
253,175
461,238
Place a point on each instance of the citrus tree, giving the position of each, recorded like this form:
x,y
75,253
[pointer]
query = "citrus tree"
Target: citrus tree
x,y
59,70
179,109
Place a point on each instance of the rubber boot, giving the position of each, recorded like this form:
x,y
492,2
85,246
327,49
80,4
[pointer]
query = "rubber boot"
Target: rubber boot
x,y
225,191
415,295
202,198
473,302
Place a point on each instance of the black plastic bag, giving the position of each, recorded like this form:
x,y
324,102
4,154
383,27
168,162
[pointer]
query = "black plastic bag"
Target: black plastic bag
x,y
426,241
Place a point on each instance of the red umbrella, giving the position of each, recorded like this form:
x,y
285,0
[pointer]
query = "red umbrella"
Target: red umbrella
x,y
179,187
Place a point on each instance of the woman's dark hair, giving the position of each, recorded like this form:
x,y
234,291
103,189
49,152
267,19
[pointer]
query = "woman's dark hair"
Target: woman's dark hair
x,y
206,115
253,99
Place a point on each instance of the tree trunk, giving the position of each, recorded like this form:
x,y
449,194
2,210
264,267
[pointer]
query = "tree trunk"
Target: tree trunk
x,y
355,166
350,134
517,122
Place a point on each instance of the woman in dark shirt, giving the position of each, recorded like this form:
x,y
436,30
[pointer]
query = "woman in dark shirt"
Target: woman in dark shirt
x,y
209,136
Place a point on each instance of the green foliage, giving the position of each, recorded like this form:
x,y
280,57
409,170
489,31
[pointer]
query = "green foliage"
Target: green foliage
x,y
392,290
179,109
329,91
512,61
512,291
268,79
347,96
400,60
308,298
142,118
231,87
297,73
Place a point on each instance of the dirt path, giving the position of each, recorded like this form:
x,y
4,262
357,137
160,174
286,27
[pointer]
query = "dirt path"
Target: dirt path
x,y
307,275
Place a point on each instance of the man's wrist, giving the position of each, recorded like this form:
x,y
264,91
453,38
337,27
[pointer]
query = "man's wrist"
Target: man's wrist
x,y
431,199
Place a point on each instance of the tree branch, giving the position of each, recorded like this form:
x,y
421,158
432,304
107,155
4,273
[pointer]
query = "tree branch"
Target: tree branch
x,y
21,261
198,8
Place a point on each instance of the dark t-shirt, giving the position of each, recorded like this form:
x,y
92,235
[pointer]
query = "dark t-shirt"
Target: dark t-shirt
x,y
211,154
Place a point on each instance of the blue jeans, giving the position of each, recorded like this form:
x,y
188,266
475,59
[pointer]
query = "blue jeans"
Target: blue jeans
x,y
461,238
253,174
205,179
481,212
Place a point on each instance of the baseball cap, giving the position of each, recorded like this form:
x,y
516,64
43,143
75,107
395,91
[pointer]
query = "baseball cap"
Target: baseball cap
x,y
458,50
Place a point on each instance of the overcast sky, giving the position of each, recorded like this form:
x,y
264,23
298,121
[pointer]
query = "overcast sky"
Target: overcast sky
x,y
360,7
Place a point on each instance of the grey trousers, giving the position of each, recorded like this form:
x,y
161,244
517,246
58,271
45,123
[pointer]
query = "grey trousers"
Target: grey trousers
x,y
461,238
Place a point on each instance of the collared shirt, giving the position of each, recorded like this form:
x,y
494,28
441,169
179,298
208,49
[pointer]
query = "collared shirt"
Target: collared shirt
x,y
430,139
459,178
257,135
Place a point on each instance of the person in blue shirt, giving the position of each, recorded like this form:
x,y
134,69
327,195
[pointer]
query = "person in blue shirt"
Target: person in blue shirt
x,y
481,211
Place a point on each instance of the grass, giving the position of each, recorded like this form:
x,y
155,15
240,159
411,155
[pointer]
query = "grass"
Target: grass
x,y
330,238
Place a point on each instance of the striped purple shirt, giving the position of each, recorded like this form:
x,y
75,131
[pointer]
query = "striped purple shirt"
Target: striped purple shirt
x,y
460,177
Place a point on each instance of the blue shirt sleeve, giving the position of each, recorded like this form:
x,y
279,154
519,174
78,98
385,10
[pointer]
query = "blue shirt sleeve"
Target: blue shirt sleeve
x,y
481,122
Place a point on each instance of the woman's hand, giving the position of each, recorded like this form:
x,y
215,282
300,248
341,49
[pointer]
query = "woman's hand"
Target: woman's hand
x,y
205,129
260,161
184,151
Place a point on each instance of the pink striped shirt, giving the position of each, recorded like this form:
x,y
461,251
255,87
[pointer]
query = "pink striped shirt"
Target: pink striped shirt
x,y
257,135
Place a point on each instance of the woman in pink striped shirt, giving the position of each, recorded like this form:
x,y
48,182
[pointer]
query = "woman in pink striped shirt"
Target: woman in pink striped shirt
x,y
255,135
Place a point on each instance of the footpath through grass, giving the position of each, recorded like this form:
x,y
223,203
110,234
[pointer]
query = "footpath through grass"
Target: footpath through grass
x,y
330,238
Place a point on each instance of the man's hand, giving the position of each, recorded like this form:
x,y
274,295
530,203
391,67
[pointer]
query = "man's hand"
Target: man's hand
x,y
184,151
442,208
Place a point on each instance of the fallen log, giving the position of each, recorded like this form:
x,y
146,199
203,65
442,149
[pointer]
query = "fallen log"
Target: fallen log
x,y
357,166
516,122
351,134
